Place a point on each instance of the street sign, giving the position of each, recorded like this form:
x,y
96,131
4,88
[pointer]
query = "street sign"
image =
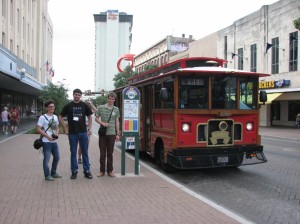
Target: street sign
x,y
130,125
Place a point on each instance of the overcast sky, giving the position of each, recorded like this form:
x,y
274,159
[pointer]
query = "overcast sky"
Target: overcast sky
x,y
74,28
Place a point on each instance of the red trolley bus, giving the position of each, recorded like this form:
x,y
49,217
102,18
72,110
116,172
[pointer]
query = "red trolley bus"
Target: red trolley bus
x,y
197,114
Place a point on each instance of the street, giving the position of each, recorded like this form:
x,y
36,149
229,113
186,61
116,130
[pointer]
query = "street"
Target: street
x,y
264,193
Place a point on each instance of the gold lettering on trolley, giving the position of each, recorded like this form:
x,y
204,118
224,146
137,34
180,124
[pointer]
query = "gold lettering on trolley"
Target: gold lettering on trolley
x,y
267,84
220,135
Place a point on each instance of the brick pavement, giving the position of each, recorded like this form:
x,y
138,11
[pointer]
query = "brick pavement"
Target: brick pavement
x,y
25,197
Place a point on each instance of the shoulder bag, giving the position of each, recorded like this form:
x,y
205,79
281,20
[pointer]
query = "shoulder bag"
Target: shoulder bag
x,y
102,129
38,143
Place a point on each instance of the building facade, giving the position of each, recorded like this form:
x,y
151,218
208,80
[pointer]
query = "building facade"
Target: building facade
x,y
161,52
25,53
267,41
112,40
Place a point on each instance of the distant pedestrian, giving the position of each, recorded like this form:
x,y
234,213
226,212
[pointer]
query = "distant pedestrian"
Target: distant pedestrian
x,y
108,115
5,120
76,111
298,120
14,119
49,122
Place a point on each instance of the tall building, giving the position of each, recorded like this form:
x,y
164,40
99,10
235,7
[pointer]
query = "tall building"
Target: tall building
x,y
112,40
25,53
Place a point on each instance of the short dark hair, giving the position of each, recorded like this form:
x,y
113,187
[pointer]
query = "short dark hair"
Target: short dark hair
x,y
48,102
77,91
112,94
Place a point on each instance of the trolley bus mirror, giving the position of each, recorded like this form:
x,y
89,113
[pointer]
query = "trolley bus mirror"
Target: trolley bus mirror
x,y
263,96
163,94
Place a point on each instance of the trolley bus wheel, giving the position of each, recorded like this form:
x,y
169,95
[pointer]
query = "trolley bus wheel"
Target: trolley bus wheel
x,y
165,166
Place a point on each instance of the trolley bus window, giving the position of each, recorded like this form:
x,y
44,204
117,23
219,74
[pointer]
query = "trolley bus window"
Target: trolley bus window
x,y
169,85
247,96
158,102
224,92
193,93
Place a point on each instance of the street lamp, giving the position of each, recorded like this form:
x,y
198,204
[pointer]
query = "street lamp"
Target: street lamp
x,y
23,72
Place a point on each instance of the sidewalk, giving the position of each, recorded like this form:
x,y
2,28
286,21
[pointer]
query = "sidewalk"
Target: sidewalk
x,y
25,197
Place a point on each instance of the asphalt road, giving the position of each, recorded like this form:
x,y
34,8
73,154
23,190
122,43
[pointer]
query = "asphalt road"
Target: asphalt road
x,y
266,193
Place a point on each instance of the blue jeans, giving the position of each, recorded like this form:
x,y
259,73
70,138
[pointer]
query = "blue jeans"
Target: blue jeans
x,y
82,138
48,149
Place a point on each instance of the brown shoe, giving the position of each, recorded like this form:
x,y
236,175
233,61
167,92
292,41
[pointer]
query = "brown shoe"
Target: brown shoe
x,y
110,174
100,174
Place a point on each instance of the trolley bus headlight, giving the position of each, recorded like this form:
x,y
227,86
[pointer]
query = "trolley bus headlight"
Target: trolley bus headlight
x,y
185,127
249,126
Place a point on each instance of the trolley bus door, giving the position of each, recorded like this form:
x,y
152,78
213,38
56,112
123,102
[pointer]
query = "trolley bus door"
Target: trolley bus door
x,y
147,110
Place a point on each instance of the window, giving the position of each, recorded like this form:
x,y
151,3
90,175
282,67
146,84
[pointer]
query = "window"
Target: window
x,y
11,12
193,93
11,45
223,92
253,58
240,59
275,56
225,50
275,110
18,21
294,109
3,39
293,65
248,88
169,85
4,8
158,103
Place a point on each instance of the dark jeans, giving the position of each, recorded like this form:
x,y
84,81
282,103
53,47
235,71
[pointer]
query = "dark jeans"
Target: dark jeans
x,y
83,140
48,149
106,145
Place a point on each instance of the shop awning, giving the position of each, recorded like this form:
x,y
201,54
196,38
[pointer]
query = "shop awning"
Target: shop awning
x,y
288,96
272,97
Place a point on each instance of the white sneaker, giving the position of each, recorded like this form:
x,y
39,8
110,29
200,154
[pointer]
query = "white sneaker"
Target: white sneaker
x,y
6,133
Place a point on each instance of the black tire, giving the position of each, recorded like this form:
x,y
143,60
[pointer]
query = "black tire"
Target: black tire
x,y
165,166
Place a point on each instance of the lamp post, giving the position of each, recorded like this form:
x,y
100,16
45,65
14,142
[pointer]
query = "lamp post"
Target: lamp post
x,y
23,72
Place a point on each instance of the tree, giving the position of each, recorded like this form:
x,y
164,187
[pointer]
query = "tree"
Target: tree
x,y
297,23
100,100
149,67
58,93
120,79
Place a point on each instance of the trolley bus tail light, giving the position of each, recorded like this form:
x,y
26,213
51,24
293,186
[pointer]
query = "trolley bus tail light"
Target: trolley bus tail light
x,y
250,156
249,126
186,127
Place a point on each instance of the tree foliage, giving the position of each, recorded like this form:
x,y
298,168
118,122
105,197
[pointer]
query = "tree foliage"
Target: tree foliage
x,y
149,67
58,93
100,100
120,79
297,23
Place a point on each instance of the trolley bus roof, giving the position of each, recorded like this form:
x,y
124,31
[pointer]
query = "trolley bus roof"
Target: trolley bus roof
x,y
198,70
219,70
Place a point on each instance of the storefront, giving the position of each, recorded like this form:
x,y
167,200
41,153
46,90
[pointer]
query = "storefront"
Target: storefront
x,y
283,103
18,87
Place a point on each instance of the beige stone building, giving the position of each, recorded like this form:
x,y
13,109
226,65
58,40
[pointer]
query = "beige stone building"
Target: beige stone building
x,y
267,41
25,52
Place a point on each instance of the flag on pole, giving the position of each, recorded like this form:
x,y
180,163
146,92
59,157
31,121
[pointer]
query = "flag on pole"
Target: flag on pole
x,y
51,72
46,64
233,55
268,47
